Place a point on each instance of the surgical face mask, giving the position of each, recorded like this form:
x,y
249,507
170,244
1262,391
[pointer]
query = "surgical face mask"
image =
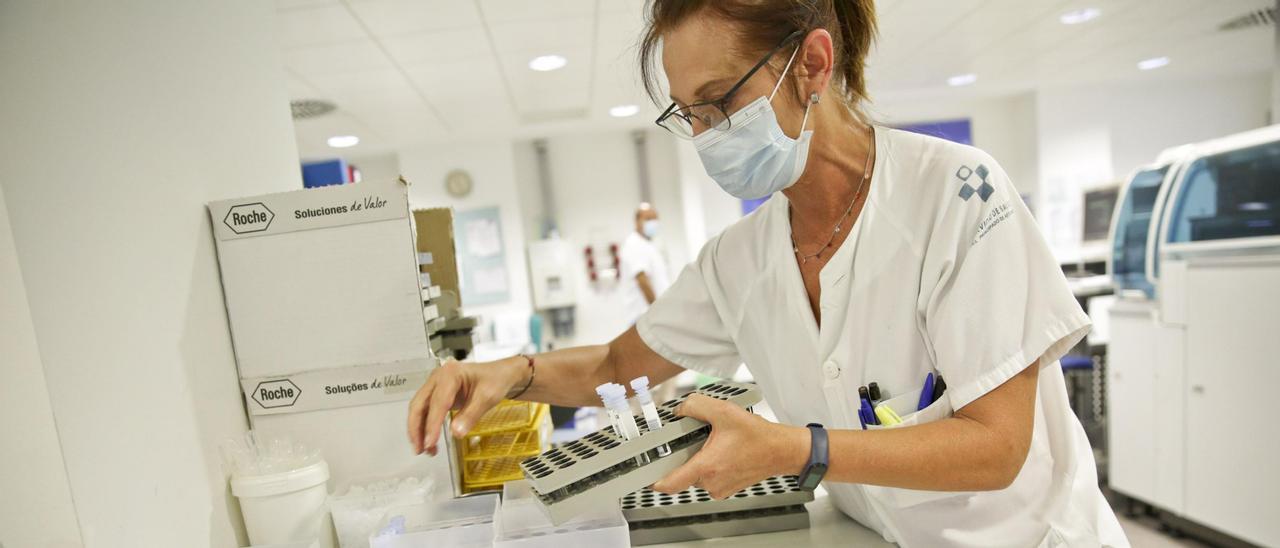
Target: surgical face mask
x,y
754,158
650,228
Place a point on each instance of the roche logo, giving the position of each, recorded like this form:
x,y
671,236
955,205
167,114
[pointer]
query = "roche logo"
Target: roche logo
x,y
245,218
278,393
984,190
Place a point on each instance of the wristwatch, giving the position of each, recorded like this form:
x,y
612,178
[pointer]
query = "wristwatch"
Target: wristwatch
x,y
816,468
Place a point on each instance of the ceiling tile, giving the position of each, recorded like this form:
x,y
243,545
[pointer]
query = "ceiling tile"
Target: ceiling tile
x,y
351,90
284,5
312,134
392,17
298,88
441,46
457,77
322,25
356,55
404,126
523,11
630,7
534,40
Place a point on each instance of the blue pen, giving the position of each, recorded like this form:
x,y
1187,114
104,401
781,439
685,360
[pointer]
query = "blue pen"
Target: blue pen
x,y
868,413
926,395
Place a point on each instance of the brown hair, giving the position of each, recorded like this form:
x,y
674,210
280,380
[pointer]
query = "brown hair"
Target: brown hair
x,y
762,24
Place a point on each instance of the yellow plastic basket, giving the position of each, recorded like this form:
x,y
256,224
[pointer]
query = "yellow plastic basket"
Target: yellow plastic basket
x,y
490,473
508,416
516,443
509,433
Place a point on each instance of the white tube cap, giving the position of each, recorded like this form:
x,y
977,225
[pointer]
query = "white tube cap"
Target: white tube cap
x,y
640,383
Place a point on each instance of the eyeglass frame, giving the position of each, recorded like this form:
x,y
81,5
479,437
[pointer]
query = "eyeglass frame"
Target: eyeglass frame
x,y
721,104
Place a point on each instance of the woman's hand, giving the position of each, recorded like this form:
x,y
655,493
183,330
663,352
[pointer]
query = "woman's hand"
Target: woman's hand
x,y
743,449
475,388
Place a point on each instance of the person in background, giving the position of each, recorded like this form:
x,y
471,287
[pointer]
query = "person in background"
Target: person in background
x,y
643,271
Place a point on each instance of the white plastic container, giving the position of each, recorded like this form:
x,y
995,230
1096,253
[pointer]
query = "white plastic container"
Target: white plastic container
x,y
458,523
357,509
520,523
284,507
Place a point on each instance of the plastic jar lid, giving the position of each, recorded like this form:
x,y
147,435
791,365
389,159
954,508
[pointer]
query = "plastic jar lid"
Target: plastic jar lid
x,y
281,483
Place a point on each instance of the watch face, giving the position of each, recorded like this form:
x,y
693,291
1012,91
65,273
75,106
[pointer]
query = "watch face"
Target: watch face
x,y
812,476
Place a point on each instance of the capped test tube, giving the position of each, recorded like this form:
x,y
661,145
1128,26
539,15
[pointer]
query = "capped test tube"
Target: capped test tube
x,y
601,391
624,423
641,387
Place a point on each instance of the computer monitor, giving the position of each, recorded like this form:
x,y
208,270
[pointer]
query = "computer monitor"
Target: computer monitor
x,y
1098,208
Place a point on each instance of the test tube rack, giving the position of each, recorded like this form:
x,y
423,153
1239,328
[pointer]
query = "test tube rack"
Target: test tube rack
x,y
602,467
775,504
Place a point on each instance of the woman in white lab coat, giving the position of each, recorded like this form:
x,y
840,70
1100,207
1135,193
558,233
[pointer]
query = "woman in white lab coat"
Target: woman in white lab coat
x,y
882,257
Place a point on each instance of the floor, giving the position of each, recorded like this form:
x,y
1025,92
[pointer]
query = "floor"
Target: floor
x,y
1145,533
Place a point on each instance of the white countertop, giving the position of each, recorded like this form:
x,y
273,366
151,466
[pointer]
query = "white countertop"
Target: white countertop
x,y
827,527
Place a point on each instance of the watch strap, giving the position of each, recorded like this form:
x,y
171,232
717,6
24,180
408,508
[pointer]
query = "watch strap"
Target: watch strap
x,y
816,468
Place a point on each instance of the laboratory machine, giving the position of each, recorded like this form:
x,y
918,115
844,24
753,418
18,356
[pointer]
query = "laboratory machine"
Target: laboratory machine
x,y
1192,368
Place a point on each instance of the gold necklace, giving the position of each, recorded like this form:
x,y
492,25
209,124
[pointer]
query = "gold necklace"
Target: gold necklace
x,y
866,175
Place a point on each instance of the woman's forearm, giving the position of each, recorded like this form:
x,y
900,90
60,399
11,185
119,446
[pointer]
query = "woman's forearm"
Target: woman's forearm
x,y
981,448
569,377
954,454
565,377
947,455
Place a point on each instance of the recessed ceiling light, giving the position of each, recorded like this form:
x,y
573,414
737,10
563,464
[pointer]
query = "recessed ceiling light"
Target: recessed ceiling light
x,y
962,80
1075,17
1153,63
544,63
343,141
623,111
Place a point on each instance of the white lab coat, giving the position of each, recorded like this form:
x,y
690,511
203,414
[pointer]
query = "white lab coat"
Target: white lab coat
x,y
933,277
638,255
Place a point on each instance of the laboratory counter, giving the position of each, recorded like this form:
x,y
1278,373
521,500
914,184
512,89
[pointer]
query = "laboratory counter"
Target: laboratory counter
x,y
827,527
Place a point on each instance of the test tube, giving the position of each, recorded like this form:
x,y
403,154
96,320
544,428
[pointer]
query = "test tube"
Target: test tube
x,y
615,401
641,387
602,391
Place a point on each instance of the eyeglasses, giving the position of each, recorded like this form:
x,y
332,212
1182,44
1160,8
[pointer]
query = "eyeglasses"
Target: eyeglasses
x,y
713,114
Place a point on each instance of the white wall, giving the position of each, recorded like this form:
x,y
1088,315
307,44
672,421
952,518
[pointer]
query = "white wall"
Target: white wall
x,y
36,508
379,167
1097,135
120,122
492,169
708,209
596,186
1004,127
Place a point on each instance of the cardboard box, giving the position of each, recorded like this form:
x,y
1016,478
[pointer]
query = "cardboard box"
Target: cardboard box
x,y
435,236
320,278
325,305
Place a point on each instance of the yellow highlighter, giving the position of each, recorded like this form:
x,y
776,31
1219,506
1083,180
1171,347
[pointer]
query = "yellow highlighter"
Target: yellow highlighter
x,y
887,416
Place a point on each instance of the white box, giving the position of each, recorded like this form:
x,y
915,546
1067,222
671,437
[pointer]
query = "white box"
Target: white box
x,y
325,306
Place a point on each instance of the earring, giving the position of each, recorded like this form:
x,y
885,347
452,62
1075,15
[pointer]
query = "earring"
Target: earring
x,y
813,98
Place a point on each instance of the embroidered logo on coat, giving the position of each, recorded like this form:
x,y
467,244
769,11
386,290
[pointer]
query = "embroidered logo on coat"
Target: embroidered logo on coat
x,y
984,189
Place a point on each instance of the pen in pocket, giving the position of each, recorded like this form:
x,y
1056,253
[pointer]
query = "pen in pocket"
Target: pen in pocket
x,y
926,393
865,411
